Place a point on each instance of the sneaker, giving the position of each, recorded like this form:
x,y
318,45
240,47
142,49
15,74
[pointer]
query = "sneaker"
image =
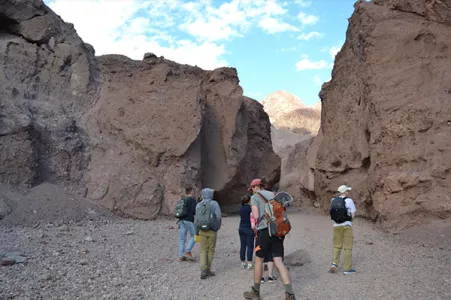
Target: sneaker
x,y
250,266
271,278
210,273
262,280
289,296
243,265
352,271
333,268
189,256
182,258
203,274
252,295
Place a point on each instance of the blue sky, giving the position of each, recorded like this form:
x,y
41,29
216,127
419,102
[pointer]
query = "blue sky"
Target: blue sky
x,y
288,45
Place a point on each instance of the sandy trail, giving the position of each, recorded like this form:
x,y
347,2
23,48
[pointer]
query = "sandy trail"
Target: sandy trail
x,y
130,259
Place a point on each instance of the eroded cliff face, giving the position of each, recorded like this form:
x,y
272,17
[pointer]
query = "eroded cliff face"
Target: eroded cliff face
x,y
48,80
386,125
127,134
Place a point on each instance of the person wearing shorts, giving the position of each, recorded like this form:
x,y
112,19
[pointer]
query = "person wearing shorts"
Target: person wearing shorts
x,y
266,244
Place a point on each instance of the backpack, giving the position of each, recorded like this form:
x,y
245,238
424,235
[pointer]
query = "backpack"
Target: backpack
x,y
181,209
339,211
276,217
204,216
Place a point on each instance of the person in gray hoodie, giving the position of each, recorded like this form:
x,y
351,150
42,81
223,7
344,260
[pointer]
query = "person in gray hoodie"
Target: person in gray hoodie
x,y
207,230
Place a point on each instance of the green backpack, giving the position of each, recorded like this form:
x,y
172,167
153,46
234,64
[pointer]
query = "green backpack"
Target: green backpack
x,y
204,216
181,209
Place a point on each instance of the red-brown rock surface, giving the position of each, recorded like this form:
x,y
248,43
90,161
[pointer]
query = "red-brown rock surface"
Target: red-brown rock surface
x,y
386,121
132,132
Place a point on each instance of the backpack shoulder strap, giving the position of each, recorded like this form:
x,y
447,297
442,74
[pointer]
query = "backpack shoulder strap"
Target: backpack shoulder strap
x,y
262,197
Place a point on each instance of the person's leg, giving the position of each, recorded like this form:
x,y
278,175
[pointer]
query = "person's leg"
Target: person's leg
x,y
348,240
182,239
261,246
242,246
277,254
203,253
211,251
191,228
250,246
338,245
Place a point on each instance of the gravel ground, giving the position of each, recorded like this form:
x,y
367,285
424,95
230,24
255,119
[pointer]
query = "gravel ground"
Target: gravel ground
x,y
129,259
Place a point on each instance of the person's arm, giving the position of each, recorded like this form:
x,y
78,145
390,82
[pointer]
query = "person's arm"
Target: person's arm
x,y
351,206
218,214
193,206
255,213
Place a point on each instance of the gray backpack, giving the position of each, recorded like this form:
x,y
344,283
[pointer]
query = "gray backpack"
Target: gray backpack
x,y
204,216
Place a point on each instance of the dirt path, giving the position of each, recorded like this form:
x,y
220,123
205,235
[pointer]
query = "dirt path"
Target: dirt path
x,y
138,260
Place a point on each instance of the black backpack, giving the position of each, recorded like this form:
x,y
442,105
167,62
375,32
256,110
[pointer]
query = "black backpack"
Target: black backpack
x,y
339,211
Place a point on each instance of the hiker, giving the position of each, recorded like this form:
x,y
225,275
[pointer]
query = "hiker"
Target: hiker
x,y
246,233
208,223
187,210
266,243
342,211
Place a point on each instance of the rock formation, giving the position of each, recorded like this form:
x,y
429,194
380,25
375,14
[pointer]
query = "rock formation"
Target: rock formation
x,y
287,112
127,134
294,126
386,125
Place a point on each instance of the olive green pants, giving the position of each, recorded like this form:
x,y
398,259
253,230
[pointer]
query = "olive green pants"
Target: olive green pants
x,y
207,248
343,237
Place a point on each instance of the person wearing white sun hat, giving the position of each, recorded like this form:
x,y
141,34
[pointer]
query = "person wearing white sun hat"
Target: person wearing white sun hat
x,y
342,211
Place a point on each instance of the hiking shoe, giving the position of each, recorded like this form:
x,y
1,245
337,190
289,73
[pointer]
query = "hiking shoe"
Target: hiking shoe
x,y
250,266
243,265
189,256
252,294
203,274
182,258
210,273
262,280
352,271
271,278
289,296
333,268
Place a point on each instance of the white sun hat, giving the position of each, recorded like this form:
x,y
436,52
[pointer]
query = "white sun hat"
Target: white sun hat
x,y
343,188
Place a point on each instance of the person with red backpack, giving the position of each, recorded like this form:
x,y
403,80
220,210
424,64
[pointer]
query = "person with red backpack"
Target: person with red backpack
x,y
272,226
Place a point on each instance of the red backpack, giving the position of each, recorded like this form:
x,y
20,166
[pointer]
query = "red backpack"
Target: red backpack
x,y
276,217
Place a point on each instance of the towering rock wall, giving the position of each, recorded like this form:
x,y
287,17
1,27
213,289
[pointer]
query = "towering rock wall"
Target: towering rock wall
x,y
48,80
386,125
127,134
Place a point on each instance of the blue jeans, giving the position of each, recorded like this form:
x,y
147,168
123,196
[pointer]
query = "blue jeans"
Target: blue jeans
x,y
185,227
246,243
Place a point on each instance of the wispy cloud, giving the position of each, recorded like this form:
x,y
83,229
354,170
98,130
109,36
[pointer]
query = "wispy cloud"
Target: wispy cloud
x,y
307,19
291,49
310,35
303,3
334,51
273,25
188,32
306,64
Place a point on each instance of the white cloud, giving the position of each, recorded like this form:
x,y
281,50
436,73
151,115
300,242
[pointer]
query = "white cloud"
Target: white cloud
x,y
291,49
187,32
272,25
306,64
308,36
307,19
334,51
303,3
